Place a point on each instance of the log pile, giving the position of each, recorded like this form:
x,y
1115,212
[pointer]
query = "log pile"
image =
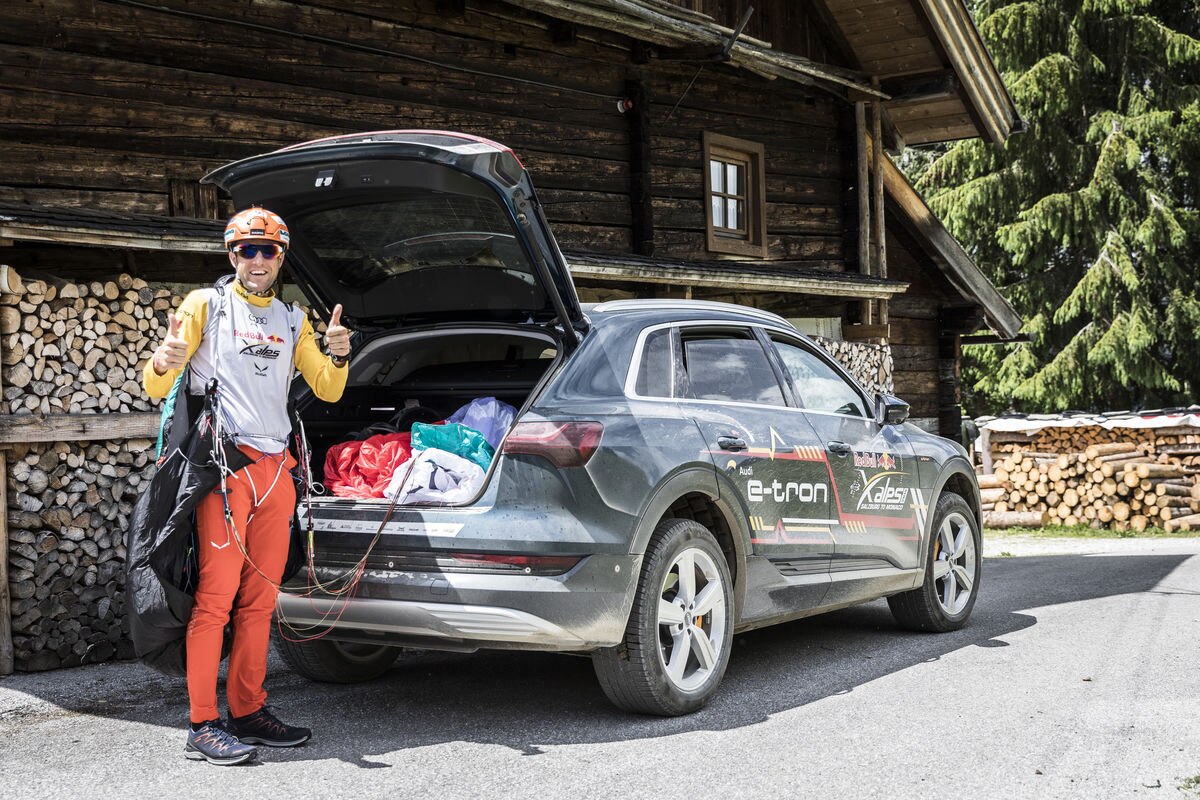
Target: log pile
x,y
74,348
79,347
1124,479
69,508
869,364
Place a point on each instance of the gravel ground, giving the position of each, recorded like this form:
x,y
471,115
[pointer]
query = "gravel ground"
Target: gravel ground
x,y
1076,678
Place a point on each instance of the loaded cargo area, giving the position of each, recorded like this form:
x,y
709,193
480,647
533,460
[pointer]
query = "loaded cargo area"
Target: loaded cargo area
x,y
402,389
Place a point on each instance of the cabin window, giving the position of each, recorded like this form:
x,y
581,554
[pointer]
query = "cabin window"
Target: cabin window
x,y
736,192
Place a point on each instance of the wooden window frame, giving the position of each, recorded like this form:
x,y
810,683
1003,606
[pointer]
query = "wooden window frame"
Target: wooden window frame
x,y
730,149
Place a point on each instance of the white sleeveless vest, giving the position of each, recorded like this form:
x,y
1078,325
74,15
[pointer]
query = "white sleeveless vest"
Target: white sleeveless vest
x,y
251,350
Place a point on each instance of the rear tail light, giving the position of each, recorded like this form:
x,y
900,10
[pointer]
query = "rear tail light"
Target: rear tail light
x,y
530,565
564,444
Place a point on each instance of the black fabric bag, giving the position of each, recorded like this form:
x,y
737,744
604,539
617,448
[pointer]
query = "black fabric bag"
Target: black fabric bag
x,y
161,566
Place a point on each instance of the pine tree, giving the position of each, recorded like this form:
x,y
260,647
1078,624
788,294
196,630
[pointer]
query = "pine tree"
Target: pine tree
x,y
1088,220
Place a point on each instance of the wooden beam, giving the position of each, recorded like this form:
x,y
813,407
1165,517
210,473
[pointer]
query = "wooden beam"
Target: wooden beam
x,y
25,428
859,333
93,237
641,168
699,279
878,239
864,206
921,88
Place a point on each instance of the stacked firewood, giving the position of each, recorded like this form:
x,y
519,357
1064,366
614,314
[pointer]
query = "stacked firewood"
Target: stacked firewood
x,y
1123,479
869,364
73,348
79,347
69,508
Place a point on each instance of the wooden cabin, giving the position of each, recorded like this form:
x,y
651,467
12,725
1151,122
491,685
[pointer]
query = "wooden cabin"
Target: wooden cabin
x,y
694,148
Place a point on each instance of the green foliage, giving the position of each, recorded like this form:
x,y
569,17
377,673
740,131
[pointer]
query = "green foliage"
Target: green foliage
x,y
1087,221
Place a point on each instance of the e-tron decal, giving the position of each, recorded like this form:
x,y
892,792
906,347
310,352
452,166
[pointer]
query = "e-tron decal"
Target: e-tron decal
x,y
785,492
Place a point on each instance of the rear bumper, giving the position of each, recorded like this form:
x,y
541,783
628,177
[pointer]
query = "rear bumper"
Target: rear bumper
x,y
584,609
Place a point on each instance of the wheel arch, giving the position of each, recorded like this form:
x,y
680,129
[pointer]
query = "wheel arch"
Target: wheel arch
x,y
696,494
957,477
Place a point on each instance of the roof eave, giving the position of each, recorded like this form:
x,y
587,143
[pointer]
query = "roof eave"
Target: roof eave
x,y
958,267
973,65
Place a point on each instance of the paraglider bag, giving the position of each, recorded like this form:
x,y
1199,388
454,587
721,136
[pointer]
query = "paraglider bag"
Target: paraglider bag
x,y
161,566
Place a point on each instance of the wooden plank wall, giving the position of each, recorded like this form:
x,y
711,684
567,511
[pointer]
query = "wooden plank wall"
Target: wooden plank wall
x,y
915,324
109,104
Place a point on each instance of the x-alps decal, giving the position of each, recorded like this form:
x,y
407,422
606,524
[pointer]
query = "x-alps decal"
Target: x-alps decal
x,y
792,530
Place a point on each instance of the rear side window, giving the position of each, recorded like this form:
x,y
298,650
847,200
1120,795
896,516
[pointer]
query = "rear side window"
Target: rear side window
x,y
729,365
819,385
656,368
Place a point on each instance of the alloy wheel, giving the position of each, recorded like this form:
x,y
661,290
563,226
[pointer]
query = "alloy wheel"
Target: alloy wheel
x,y
954,564
691,619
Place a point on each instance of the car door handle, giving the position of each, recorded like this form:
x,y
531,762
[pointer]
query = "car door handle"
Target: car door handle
x,y
731,443
841,448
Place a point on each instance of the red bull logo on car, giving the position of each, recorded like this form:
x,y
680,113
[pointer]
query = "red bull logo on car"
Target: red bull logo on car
x,y
874,460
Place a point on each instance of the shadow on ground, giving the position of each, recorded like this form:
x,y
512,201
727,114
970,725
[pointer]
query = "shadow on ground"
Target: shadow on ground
x,y
527,701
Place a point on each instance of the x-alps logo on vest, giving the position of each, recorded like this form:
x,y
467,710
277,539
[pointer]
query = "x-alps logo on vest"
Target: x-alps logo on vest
x,y
256,345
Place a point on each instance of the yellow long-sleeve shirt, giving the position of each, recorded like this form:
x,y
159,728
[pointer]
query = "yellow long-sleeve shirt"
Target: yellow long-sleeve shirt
x,y
248,357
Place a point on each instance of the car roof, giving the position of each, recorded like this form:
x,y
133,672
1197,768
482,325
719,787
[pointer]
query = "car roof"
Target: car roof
x,y
685,308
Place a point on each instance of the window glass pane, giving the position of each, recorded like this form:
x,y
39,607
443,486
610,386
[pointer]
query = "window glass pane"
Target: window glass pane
x,y
733,213
378,251
717,176
820,387
718,208
733,179
721,367
654,371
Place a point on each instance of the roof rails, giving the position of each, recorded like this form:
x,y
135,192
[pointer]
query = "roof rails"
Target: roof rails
x,y
688,305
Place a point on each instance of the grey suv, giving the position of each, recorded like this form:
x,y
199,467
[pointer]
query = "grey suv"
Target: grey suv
x,y
677,471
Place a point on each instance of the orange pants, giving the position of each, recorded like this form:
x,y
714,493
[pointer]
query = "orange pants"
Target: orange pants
x,y
230,582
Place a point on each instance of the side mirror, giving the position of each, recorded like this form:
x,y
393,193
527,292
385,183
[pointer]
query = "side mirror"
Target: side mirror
x,y
890,410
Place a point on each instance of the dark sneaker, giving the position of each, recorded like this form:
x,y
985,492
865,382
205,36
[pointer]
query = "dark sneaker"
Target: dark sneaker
x,y
216,745
263,727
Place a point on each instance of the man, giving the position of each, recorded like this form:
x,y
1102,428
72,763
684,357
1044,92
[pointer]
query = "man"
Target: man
x,y
251,342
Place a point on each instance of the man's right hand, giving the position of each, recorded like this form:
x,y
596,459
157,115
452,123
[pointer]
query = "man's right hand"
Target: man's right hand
x,y
172,353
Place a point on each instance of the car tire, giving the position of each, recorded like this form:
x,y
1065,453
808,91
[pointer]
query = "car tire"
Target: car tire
x,y
671,659
953,567
328,661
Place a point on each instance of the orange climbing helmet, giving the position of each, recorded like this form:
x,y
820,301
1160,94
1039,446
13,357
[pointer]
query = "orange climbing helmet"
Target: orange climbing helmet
x,y
256,223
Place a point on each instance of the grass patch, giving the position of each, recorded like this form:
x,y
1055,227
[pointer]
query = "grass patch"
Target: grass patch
x,y
1190,785
1084,532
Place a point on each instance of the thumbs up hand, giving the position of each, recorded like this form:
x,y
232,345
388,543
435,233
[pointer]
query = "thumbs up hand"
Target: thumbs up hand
x,y
337,338
172,353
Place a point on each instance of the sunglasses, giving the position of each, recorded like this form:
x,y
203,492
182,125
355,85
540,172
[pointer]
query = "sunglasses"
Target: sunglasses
x,y
248,251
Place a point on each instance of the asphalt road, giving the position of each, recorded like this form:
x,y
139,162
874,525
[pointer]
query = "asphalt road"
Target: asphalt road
x,y
1077,678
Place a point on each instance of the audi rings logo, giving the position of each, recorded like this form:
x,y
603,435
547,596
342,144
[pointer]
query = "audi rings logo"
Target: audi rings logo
x,y
258,320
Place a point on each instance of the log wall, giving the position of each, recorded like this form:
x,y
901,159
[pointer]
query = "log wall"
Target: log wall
x,y
123,107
